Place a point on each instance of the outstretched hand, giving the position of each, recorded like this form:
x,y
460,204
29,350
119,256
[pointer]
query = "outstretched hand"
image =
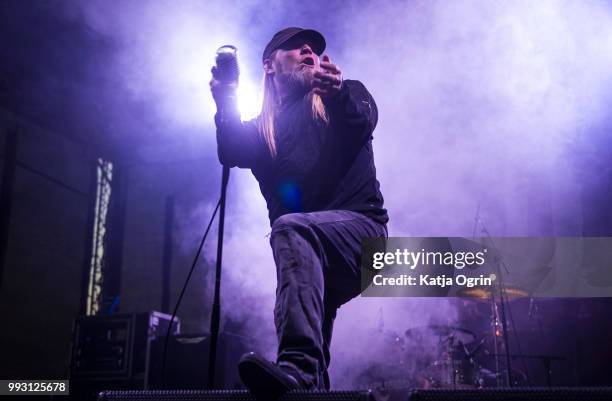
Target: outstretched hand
x,y
328,80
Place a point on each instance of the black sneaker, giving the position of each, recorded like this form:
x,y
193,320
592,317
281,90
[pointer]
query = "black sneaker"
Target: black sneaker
x,y
265,378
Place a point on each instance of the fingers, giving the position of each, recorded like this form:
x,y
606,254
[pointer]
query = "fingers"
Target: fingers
x,y
326,79
221,89
326,88
332,68
325,92
321,92
216,83
327,65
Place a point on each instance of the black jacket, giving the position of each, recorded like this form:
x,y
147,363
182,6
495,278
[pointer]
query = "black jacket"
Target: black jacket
x,y
318,166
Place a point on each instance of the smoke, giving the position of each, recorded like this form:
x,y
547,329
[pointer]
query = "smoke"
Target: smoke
x,y
250,272
481,104
484,106
167,48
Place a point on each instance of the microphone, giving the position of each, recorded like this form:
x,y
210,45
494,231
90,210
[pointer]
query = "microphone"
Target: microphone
x,y
227,70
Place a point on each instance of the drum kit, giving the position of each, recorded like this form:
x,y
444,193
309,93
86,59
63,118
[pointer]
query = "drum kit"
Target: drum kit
x,y
450,357
441,356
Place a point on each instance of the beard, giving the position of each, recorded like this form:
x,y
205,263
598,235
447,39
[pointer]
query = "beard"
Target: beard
x,y
300,79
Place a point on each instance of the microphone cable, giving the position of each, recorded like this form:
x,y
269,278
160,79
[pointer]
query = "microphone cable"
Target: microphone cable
x,y
180,298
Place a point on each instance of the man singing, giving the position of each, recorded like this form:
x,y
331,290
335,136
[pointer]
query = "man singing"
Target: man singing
x,y
310,149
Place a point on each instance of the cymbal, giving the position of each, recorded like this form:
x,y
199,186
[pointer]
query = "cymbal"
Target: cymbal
x,y
457,333
484,293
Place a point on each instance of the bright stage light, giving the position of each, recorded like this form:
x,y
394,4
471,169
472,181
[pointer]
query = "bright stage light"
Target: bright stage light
x,y
249,101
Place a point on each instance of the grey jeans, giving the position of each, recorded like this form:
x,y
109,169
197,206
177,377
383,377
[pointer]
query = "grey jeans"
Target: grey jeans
x,y
317,257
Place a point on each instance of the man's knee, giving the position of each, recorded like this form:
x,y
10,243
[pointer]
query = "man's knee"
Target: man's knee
x,y
291,221
294,231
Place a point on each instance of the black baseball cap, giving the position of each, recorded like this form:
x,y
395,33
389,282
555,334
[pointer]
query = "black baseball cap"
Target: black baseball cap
x,y
282,37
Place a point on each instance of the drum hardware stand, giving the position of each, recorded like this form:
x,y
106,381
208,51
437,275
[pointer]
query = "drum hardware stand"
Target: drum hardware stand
x,y
502,309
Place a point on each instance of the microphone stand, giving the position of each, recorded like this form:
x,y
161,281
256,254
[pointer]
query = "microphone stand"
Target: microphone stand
x,y
216,307
215,316
225,70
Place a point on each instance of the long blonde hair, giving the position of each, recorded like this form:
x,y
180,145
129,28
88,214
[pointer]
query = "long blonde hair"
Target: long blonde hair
x,y
269,108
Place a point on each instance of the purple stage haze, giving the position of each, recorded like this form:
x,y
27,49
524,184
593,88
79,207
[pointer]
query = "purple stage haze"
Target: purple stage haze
x,y
495,108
